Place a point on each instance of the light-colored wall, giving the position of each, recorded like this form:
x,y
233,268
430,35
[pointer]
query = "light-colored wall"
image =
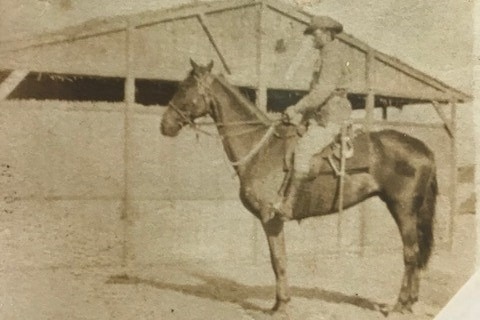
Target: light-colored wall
x,y
63,180
59,187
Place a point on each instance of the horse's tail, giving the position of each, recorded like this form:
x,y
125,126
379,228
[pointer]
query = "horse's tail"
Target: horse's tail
x,y
425,218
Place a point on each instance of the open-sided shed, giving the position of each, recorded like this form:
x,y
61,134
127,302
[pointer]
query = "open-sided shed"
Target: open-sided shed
x,y
258,44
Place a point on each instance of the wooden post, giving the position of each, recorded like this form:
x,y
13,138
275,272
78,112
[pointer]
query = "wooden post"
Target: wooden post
x,y
11,82
128,116
453,173
261,99
368,126
255,248
130,78
261,103
476,125
384,113
370,99
341,188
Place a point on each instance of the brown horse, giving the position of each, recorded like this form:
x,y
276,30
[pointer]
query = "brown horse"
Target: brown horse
x,y
401,172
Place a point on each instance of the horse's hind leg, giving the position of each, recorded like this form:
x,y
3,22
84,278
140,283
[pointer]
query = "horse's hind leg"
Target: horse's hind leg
x,y
406,219
276,242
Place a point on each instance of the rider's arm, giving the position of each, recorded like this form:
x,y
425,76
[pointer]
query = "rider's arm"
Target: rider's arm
x,y
330,76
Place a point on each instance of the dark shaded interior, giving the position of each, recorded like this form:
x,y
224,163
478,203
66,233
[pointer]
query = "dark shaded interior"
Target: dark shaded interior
x,y
70,87
150,92
154,92
41,86
279,100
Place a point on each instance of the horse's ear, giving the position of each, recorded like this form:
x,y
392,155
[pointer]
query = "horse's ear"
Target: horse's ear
x,y
210,66
194,65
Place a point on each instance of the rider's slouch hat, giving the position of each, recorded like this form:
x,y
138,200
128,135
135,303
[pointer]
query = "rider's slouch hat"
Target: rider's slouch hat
x,y
325,23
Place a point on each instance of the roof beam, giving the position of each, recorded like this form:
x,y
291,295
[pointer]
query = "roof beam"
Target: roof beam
x,y
446,121
203,21
53,39
386,123
204,8
406,69
402,67
286,10
117,24
441,97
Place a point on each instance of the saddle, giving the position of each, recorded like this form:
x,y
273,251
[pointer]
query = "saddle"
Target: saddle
x,y
351,146
354,148
341,149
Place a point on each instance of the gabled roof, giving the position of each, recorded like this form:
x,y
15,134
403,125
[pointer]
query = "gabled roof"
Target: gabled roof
x,y
416,85
99,26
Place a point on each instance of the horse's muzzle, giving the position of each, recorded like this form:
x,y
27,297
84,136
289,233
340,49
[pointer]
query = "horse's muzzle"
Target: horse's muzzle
x,y
170,128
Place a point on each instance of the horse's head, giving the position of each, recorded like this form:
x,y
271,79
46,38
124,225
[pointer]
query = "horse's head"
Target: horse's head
x,y
191,101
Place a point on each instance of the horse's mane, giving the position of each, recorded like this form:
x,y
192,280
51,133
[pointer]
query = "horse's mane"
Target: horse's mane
x,y
235,93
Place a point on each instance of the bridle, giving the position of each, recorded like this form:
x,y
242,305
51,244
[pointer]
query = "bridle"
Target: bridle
x,y
210,100
188,120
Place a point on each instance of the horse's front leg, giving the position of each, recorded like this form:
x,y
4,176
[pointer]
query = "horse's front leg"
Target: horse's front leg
x,y
276,242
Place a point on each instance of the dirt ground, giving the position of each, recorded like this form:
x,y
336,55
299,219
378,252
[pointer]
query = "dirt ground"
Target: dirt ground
x,y
335,287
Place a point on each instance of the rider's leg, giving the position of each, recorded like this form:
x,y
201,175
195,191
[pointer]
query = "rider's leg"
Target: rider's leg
x,y
311,142
285,208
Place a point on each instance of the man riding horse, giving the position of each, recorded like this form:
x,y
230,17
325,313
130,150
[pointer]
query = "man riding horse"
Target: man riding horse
x,y
402,169
323,110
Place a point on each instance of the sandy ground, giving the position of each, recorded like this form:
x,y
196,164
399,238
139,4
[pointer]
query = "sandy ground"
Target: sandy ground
x,y
61,254
335,287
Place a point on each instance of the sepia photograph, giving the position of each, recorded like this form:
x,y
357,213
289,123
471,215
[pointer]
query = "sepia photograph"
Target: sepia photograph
x,y
238,159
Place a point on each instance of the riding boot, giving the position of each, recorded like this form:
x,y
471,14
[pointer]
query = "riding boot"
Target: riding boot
x,y
285,209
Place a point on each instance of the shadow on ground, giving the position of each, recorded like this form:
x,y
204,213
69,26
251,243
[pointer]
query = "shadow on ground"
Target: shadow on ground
x,y
226,290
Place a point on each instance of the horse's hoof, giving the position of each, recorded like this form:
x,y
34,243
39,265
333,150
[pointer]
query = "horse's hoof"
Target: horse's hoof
x,y
397,308
280,306
385,310
279,313
402,308
280,316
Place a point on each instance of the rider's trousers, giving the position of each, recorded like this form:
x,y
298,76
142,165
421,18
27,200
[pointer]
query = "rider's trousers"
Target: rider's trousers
x,y
313,141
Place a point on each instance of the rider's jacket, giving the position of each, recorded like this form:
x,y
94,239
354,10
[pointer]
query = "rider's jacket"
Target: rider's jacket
x,y
326,100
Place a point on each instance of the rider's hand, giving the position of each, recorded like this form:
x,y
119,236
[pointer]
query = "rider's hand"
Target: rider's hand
x,y
293,116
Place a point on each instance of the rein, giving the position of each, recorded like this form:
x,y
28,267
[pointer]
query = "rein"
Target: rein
x,y
195,125
255,149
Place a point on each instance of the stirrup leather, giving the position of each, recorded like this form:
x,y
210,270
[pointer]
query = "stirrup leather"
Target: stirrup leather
x,y
342,150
